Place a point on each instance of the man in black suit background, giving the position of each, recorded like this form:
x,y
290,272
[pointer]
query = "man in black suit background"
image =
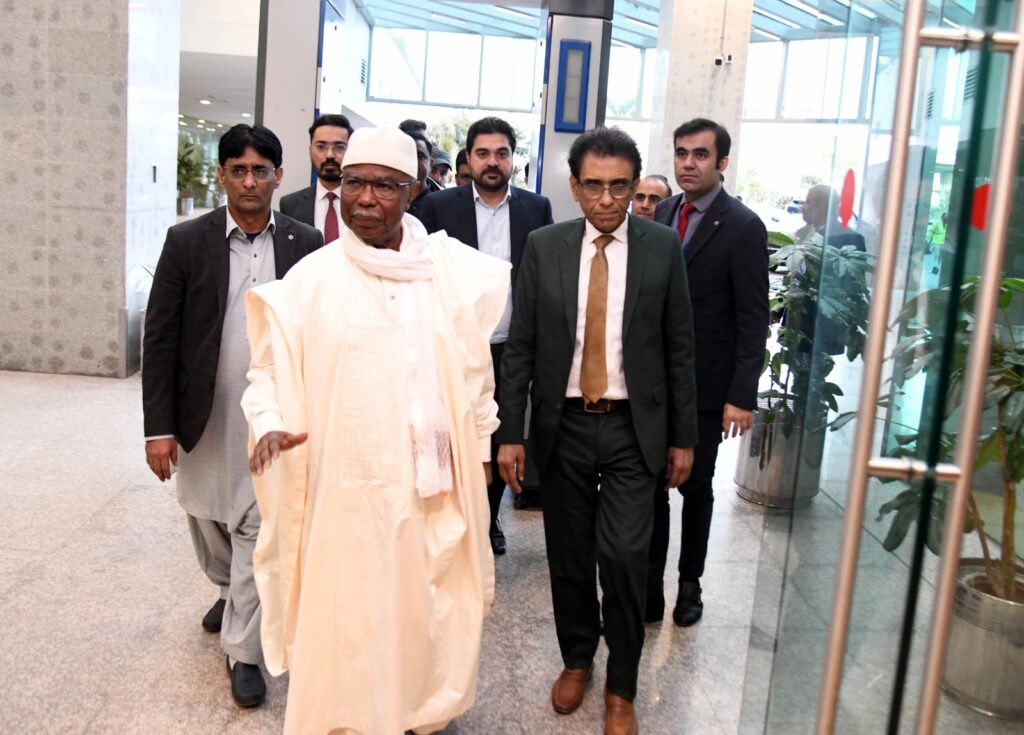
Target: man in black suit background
x,y
319,205
603,331
726,250
495,218
196,358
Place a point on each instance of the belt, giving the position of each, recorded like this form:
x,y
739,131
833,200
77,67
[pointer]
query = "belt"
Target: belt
x,y
604,405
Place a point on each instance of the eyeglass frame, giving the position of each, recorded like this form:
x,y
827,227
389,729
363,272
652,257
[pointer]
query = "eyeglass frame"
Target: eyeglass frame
x,y
239,173
589,190
374,183
322,146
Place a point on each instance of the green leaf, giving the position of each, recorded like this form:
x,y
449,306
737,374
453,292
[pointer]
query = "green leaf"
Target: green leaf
x,y
988,450
842,420
899,528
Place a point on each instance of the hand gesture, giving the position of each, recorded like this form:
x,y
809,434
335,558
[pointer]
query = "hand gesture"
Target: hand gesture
x,y
269,448
512,465
160,455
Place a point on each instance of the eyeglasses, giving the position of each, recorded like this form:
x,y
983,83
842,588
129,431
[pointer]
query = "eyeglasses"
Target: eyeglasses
x,y
381,188
322,147
260,173
618,190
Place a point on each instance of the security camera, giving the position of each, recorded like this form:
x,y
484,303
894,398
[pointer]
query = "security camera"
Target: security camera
x,y
728,58
718,61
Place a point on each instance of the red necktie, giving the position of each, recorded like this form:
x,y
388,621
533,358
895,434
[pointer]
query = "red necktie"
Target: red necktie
x,y
684,218
331,222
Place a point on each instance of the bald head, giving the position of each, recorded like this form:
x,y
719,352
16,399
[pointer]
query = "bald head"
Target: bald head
x,y
821,206
650,191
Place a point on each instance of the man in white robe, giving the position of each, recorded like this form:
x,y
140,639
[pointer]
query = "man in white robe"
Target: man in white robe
x,y
371,409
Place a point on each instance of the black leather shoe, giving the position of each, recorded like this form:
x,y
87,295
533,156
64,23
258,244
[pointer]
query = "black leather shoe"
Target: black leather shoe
x,y
247,685
655,611
497,538
689,607
213,617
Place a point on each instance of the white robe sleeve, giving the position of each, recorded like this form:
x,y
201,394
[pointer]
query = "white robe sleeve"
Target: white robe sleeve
x,y
260,399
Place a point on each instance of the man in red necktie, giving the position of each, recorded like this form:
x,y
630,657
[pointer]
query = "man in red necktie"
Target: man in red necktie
x,y
319,205
726,251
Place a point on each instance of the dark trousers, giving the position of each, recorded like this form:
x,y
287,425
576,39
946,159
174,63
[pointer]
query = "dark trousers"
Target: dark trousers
x,y
698,502
598,514
497,487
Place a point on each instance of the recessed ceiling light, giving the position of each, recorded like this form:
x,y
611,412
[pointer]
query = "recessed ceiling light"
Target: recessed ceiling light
x,y
180,116
205,102
182,123
220,125
246,114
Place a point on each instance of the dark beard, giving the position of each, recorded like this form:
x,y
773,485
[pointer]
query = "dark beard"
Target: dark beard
x,y
486,186
333,176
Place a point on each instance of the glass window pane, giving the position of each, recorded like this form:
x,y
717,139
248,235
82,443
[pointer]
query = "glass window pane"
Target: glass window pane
x,y
453,68
806,72
396,63
623,82
764,70
650,74
507,71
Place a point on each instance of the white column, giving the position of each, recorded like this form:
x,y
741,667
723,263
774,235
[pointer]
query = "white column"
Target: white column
x,y
692,34
286,82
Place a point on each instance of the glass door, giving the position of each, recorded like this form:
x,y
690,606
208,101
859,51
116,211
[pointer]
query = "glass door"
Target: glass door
x,y
859,572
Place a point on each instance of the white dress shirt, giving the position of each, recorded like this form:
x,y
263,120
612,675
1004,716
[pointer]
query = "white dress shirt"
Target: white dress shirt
x,y
616,252
494,237
320,207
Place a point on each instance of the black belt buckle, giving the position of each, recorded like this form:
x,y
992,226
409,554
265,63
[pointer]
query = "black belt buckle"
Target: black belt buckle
x,y
587,406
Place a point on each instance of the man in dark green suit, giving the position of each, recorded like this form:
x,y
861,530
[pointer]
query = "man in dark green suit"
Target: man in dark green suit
x,y
602,328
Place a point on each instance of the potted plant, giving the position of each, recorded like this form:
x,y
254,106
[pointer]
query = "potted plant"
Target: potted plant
x,y
189,171
821,308
986,646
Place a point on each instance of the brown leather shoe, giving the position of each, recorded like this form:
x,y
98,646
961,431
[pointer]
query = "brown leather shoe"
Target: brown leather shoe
x,y
619,718
567,693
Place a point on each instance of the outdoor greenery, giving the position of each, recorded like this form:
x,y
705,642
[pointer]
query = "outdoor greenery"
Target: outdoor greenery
x,y
190,168
1001,439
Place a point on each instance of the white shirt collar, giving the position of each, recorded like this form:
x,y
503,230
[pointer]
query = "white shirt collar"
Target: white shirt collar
x,y
321,190
620,233
232,225
477,198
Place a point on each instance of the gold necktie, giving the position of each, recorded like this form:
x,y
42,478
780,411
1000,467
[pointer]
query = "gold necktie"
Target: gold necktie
x,y
594,370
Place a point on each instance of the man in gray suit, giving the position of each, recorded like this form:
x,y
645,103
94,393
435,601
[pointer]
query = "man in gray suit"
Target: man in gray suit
x,y
602,327
319,205
197,355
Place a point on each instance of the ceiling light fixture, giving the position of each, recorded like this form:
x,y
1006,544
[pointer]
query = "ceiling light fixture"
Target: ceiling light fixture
x,y
766,34
643,23
776,18
246,114
205,102
510,11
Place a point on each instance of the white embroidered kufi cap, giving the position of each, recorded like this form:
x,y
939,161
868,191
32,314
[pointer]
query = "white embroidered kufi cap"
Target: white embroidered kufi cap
x,y
382,147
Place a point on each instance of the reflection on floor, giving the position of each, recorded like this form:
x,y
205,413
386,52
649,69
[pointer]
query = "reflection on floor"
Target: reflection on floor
x,y
100,600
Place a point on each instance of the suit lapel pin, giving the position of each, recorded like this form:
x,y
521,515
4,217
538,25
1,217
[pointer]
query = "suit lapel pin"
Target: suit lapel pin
x,y
292,237
716,223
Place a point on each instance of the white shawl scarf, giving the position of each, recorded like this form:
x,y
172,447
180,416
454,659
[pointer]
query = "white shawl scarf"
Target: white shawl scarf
x,y
414,266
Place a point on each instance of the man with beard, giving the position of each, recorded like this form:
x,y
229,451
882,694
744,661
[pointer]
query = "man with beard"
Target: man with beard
x,y
424,151
318,205
495,218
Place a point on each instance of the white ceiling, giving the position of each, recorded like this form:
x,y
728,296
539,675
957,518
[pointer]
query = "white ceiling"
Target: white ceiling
x,y
219,42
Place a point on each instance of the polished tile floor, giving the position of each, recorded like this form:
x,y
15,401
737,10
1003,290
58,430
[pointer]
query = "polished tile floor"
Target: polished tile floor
x,y
101,598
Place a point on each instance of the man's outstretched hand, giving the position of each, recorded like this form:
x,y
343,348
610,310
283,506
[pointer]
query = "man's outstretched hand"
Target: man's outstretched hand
x,y
269,448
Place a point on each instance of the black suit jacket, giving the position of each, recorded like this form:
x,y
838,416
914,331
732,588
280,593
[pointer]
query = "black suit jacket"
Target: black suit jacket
x,y
185,318
727,265
300,205
454,211
657,340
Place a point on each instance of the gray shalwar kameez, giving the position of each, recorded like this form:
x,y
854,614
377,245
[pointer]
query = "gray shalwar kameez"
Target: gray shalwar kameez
x,y
214,484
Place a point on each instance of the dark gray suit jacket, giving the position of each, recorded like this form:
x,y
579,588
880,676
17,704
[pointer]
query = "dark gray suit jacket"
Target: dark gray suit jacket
x,y
185,319
657,340
454,211
299,205
727,265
